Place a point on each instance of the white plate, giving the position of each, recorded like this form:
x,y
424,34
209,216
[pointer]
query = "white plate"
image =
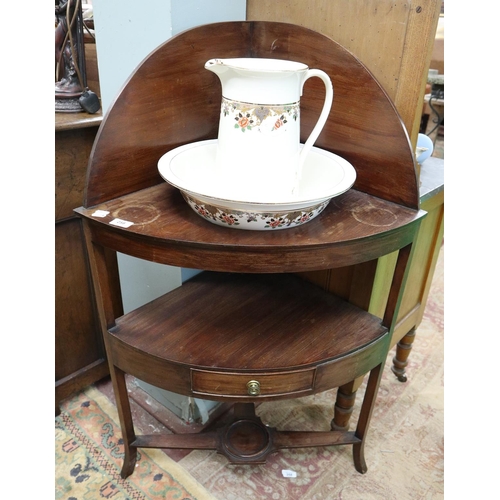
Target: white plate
x,y
191,169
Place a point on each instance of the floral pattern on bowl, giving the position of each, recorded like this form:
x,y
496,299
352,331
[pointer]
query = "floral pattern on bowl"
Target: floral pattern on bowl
x,y
240,219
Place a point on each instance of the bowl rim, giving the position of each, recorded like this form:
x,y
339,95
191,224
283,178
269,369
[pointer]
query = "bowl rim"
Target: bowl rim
x,y
344,185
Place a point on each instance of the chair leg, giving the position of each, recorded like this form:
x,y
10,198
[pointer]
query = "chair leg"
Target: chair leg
x,y
364,418
400,360
126,422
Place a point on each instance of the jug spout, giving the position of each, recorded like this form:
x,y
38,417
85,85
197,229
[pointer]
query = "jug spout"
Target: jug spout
x,y
217,66
222,70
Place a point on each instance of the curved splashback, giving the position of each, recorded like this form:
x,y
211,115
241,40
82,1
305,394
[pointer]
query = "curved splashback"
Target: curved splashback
x,y
172,100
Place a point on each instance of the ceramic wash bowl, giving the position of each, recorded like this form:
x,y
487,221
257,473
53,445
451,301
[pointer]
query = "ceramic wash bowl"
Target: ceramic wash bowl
x,y
192,169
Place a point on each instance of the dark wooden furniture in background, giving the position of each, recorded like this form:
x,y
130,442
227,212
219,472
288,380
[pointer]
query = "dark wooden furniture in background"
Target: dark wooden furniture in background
x,y
79,350
200,339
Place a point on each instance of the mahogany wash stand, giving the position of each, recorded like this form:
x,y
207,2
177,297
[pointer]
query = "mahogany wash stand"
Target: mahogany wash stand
x,y
250,329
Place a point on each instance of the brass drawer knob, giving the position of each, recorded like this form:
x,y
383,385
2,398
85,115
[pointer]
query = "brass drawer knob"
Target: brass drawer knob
x,y
253,388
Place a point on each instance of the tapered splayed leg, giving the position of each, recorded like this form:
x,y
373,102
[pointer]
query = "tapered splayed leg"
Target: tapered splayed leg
x,y
365,416
400,360
129,461
358,454
126,422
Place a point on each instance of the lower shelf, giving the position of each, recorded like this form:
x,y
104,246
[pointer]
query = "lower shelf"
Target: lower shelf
x,y
246,337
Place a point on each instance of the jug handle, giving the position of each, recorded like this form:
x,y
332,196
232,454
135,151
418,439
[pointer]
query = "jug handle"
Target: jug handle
x,y
321,120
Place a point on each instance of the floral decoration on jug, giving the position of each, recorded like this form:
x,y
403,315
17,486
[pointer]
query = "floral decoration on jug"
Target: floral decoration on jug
x,y
249,116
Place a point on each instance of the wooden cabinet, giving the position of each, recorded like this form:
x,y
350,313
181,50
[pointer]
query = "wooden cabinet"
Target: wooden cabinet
x,y
398,58
79,350
248,329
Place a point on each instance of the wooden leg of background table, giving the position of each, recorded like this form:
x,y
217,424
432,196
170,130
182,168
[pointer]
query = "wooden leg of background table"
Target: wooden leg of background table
x,y
346,397
403,350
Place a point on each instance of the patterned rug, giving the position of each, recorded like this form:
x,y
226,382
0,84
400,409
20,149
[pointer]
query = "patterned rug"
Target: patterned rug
x,y
89,455
404,449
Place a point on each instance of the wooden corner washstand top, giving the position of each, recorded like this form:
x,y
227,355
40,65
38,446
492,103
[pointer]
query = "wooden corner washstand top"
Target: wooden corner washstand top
x,y
249,329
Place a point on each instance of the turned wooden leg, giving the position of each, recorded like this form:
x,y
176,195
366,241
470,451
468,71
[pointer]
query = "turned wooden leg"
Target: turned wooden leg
x,y
346,397
365,414
403,350
126,422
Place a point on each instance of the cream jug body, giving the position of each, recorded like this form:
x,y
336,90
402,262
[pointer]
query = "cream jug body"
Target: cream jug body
x,y
259,155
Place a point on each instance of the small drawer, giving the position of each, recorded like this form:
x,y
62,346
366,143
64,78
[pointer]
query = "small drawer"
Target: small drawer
x,y
251,384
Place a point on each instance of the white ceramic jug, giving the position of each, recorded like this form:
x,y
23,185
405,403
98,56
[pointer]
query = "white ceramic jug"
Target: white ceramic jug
x,y
259,155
